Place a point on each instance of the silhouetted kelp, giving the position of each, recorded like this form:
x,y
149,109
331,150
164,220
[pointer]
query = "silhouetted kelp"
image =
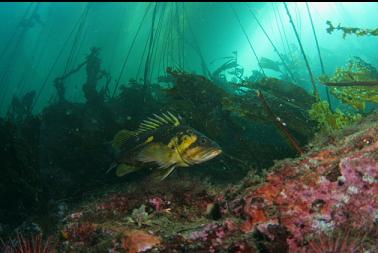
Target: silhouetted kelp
x,y
64,149
351,30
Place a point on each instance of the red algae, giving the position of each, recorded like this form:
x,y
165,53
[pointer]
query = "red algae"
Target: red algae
x,y
298,203
334,186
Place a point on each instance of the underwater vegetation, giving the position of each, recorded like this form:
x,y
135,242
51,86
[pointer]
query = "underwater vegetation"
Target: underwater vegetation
x,y
331,121
362,78
289,208
351,30
333,185
65,145
324,201
178,161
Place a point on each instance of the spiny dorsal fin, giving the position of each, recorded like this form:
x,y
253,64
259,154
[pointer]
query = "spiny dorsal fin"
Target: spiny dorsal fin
x,y
157,121
121,137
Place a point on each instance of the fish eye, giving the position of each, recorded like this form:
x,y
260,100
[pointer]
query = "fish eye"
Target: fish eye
x,y
203,141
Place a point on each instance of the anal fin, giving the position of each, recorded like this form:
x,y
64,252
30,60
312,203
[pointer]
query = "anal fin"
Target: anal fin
x,y
124,169
163,173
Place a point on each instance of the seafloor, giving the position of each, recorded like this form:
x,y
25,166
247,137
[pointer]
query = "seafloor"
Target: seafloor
x,y
53,177
327,199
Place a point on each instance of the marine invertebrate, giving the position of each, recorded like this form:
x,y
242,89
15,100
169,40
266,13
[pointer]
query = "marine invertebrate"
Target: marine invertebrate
x,y
336,242
23,244
157,203
322,192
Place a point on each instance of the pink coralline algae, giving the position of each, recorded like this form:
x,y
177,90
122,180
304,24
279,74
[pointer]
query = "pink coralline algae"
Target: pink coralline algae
x,y
114,205
213,234
321,191
79,232
157,203
204,233
324,201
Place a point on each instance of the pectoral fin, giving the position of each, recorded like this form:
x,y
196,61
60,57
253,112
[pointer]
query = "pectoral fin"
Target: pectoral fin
x,y
157,153
124,169
161,174
166,172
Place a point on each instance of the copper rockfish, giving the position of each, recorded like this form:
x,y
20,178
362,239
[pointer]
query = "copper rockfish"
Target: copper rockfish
x,y
161,141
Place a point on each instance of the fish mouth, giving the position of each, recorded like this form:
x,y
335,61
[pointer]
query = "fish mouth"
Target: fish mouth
x,y
209,154
200,155
214,152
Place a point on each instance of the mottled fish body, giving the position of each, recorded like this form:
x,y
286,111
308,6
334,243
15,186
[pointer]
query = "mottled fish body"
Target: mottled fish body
x,y
162,142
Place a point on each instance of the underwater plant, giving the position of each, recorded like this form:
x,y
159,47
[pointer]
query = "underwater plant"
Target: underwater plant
x,y
139,216
351,30
355,83
355,70
330,121
356,96
310,73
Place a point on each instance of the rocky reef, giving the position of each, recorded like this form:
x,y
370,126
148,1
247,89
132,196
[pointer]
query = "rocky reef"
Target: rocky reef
x,y
325,200
54,164
332,188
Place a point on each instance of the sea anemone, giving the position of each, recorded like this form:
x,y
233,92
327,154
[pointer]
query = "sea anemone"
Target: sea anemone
x,y
338,242
33,244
